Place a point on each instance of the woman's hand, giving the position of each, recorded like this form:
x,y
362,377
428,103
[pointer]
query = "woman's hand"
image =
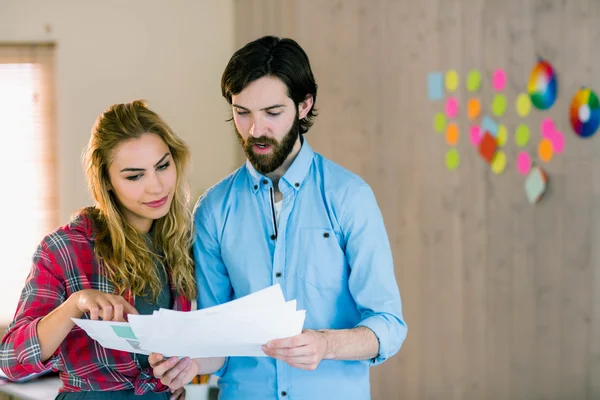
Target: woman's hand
x,y
109,307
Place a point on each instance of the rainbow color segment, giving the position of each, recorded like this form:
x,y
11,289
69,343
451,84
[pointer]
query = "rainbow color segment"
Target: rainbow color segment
x,y
584,112
542,85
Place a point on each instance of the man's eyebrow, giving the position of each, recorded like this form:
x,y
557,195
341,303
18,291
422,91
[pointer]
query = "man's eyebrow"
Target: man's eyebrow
x,y
262,109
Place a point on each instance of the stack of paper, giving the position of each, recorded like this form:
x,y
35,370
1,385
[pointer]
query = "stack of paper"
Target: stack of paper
x,y
237,328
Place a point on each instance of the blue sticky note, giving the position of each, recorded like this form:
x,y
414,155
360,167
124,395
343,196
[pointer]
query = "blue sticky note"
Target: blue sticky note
x,y
435,86
489,125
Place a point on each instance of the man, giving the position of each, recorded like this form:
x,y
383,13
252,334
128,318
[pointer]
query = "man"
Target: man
x,y
292,217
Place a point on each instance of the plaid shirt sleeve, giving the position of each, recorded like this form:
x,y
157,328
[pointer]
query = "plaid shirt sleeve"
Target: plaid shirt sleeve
x,y
20,353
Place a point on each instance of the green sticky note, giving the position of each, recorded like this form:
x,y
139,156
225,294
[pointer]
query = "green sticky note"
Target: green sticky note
x,y
439,122
124,332
522,135
535,185
473,80
499,105
452,159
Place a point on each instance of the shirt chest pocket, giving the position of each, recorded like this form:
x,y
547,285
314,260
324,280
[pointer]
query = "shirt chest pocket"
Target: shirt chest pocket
x,y
321,260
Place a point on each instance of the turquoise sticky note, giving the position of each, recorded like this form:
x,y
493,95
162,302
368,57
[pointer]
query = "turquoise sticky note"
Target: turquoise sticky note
x,y
435,86
535,184
124,332
489,125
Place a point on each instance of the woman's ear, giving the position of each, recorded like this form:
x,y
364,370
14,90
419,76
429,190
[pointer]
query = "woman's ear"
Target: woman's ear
x,y
305,107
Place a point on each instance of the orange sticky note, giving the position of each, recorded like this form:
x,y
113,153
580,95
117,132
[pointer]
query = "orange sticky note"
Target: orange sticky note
x,y
473,108
545,150
452,134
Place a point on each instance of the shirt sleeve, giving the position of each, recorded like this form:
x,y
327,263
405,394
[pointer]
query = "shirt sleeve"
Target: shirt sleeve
x,y
20,352
212,278
372,281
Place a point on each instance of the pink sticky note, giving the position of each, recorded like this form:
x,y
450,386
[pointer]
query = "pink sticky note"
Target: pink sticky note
x,y
451,107
547,128
499,79
558,141
523,162
475,135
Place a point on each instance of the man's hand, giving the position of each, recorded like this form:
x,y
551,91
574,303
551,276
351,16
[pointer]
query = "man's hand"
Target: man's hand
x,y
304,351
173,372
178,394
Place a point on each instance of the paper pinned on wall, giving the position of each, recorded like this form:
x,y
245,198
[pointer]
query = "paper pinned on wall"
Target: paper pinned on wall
x,y
439,122
499,162
473,108
475,135
499,105
523,162
499,79
451,107
545,150
523,105
452,159
473,80
489,125
502,137
435,86
452,80
535,184
522,135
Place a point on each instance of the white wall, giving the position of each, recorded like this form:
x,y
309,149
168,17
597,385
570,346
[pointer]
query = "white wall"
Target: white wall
x,y
171,53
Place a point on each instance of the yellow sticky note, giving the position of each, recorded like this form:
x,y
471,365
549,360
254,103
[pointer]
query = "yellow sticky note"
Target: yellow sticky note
x,y
451,80
502,135
499,162
523,105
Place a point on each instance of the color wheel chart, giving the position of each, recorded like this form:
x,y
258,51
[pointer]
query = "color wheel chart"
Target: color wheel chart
x,y
489,136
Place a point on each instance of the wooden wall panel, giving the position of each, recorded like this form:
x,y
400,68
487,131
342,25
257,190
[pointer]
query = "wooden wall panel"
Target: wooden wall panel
x,y
502,298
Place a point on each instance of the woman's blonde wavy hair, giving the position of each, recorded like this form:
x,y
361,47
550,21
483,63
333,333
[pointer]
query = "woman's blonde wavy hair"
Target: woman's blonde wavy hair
x,y
128,261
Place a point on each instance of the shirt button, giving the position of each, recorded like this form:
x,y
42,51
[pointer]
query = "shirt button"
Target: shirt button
x,y
255,187
278,275
265,181
273,237
297,184
284,393
326,235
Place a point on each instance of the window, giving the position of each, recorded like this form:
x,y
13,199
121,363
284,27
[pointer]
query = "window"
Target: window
x,y
28,178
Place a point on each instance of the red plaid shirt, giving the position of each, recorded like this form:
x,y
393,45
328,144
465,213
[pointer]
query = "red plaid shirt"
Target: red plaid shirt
x,y
63,264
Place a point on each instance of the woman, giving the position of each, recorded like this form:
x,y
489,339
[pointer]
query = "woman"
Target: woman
x,y
129,254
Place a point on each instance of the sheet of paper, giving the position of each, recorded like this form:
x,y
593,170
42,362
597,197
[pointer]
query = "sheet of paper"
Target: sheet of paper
x,y
236,328
112,335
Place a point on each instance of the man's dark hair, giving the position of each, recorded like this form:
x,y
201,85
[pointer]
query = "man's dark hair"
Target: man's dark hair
x,y
272,56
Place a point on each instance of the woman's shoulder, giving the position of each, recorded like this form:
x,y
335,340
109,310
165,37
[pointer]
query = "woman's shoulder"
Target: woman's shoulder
x,y
78,231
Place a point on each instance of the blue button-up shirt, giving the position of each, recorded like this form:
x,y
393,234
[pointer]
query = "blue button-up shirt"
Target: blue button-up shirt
x,y
329,251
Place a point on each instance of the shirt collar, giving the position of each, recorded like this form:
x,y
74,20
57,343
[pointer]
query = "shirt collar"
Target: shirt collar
x,y
294,175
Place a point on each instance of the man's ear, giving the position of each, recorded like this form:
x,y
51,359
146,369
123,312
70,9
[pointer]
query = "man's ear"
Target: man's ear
x,y
305,107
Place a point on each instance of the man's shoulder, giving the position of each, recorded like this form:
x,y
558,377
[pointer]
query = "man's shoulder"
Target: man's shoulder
x,y
215,195
336,176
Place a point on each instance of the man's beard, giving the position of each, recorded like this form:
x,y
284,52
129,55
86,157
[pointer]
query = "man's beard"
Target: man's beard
x,y
266,163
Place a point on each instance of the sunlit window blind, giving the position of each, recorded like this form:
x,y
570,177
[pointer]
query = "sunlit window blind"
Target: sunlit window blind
x,y
28,184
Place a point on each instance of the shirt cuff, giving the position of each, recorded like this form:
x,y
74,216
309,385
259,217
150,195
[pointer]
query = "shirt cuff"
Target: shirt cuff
x,y
29,353
380,329
223,369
